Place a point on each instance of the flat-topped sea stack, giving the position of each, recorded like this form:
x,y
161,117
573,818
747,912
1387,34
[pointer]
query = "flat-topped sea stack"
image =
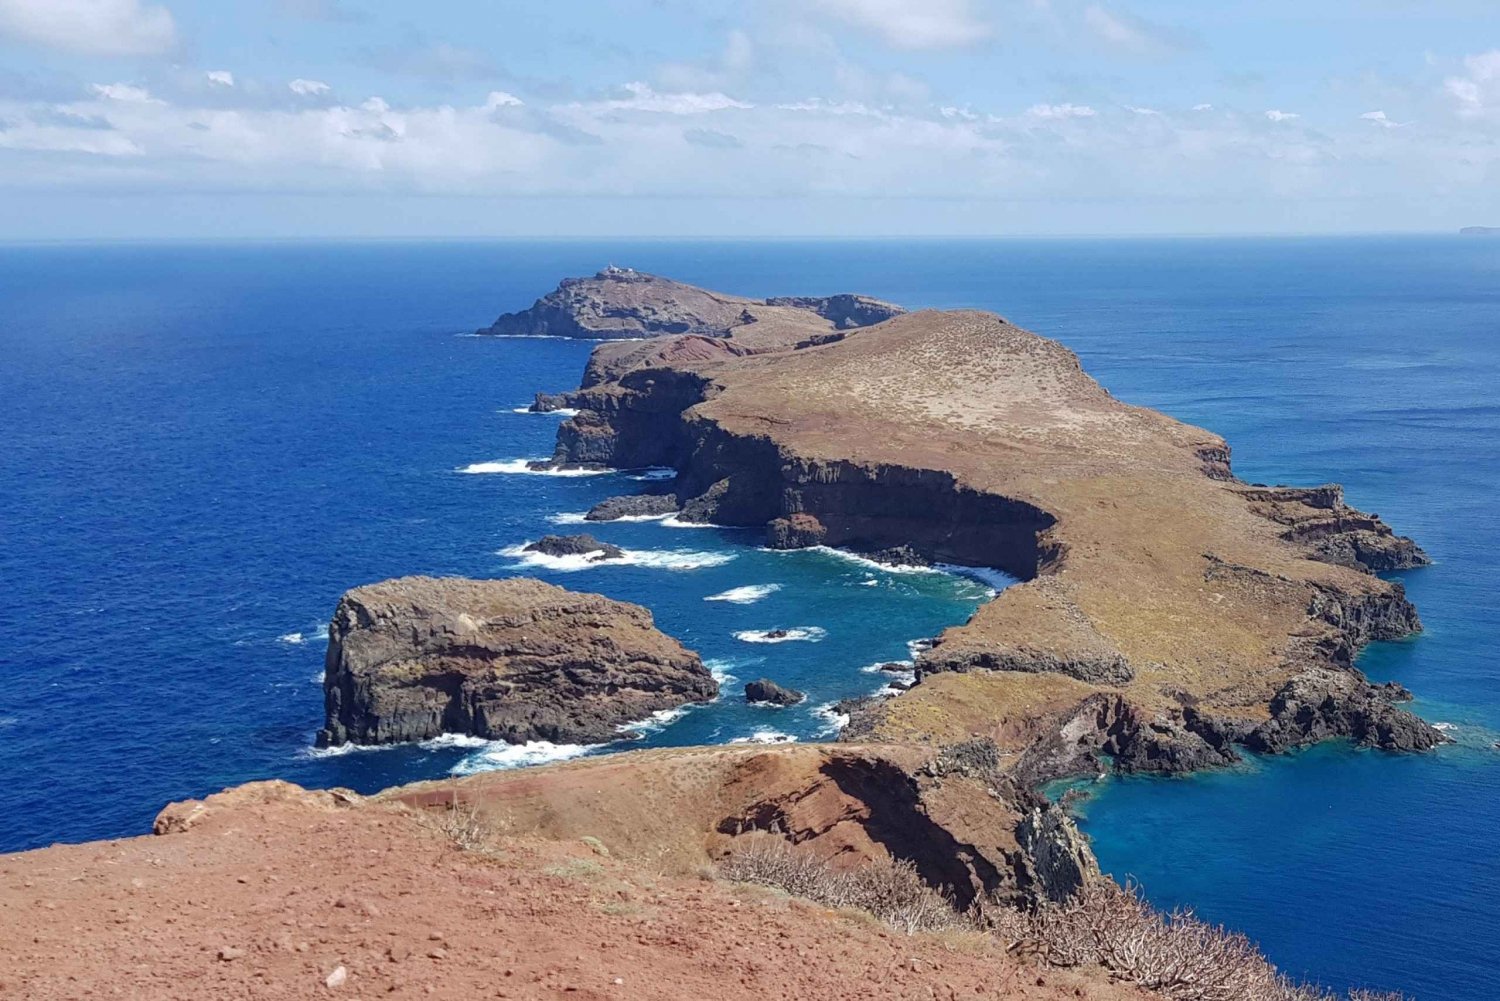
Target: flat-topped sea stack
x,y
1167,612
514,660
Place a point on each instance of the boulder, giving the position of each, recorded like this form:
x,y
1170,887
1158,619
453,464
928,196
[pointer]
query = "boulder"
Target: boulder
x,y
514,660
634,506
766,690
575,545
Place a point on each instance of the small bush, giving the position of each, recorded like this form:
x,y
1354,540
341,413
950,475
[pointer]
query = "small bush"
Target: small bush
x,y
891,891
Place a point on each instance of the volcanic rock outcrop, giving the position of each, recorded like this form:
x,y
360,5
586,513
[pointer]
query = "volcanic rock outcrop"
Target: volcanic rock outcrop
x,y
1165,605
574,545
512,660
768,691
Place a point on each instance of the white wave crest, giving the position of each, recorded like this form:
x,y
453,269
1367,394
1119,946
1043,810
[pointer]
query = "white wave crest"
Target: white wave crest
x,y
569,518
656,722
292,638
765,737
995,580
672,521
522,467
746,595
833,720
720,670
673,559
809,634
497,755
879,666
559,412
655,473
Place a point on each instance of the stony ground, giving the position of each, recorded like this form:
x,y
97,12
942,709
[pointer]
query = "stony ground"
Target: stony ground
x,y
293,897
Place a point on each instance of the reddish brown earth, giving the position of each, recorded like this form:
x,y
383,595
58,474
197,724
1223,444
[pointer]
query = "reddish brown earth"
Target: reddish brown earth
x,y
271,890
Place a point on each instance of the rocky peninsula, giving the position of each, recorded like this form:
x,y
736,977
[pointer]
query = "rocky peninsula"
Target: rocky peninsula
x,y
514,660
1168,613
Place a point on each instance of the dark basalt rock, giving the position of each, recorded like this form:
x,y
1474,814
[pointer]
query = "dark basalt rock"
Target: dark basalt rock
x,y
1322,703
798,531
766,690
513,660
900,556
634,506
575,545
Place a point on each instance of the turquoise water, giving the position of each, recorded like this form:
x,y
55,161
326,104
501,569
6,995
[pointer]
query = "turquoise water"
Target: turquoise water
x,y
207,444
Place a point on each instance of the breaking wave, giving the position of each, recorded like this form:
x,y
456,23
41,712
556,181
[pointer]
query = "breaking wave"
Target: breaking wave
x,y
654,473
765,737
521,466
833,721
809,634
497,755
720,671
672,559
560,412
746,595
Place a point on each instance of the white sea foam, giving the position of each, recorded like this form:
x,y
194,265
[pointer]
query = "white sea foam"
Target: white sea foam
x,y
833,721
522,467
995,580
670,559
654,473
497,755
879,667
918,647
341,750
559,412
656,722
1445,727
746,595
765,737
318,632
720,671
809,634
569,518
672,521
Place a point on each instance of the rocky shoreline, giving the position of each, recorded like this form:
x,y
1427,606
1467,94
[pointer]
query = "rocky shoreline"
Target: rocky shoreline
x,y
1170,614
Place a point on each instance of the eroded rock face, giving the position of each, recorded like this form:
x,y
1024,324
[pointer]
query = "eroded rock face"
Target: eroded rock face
x,y
1160,596
1322,703
512,660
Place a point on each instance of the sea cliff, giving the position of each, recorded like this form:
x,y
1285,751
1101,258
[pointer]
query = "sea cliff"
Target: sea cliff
x,y
1168,613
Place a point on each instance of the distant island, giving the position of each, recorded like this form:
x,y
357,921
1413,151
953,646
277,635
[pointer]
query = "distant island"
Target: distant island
x,y
1480,231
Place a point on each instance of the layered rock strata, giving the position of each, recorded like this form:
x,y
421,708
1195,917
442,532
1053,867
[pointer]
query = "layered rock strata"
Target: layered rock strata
x,y
514,660
1153,580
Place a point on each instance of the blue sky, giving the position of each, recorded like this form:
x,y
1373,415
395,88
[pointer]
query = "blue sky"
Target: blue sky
x,y
370,118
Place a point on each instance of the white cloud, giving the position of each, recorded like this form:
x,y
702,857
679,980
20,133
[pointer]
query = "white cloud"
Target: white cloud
x,y
220,78
1277,115
94,27
308,88
1380,118
125,93
912,24
1203,107
1478,93
1148,112
644,98
1060,111
500,99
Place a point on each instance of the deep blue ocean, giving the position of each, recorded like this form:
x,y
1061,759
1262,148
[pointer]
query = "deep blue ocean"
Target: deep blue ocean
x,y
204,445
